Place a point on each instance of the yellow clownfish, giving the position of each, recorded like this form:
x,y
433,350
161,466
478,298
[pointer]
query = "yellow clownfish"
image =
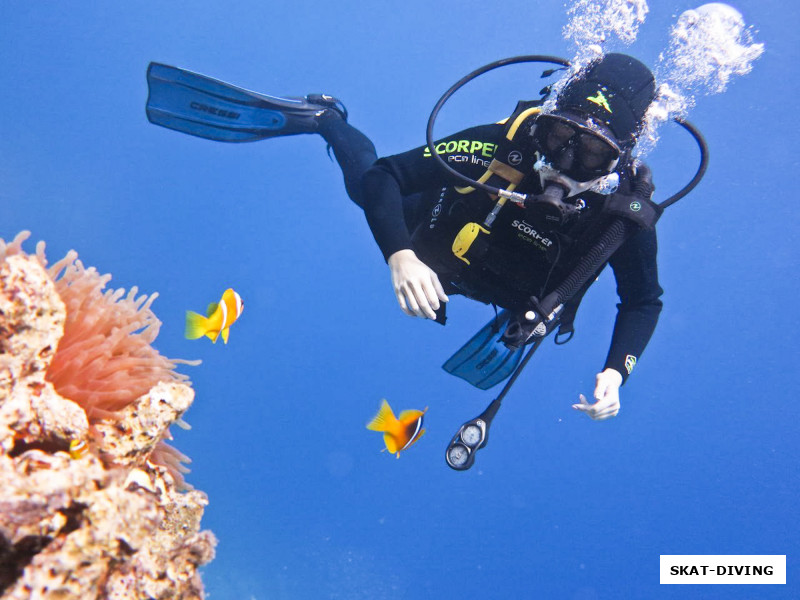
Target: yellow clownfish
x,y
78,449
398,433
220,316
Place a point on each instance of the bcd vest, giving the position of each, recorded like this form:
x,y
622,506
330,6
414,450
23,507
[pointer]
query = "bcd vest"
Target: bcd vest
x,y
513,257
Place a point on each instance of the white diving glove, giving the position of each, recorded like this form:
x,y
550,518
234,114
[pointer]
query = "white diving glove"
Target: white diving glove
x,y
416,285
606,392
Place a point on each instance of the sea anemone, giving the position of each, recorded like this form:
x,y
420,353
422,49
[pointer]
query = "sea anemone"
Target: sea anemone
x,y
105,360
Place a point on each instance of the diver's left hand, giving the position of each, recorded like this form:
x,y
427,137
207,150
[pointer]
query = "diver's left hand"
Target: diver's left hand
x,y
606,392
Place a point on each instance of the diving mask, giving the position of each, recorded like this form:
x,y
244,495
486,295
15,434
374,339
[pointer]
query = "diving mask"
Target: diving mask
x,y
580,152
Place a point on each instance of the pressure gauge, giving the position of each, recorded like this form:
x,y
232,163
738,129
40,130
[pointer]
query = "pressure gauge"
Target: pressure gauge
x,y
471,435
457,456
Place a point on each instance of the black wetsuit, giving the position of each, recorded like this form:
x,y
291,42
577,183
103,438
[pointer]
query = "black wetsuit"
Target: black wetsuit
x,y
410,203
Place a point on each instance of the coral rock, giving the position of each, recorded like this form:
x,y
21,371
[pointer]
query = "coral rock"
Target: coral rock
x,y
131,438
31,323
106,522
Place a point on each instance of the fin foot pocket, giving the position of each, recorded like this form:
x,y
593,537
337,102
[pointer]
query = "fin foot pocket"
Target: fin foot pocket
x,y
328,102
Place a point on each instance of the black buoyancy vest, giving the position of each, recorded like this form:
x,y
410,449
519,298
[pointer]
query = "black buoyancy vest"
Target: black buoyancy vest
x,y
513,258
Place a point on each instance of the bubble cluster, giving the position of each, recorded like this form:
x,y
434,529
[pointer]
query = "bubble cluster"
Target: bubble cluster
x,y
592,26
593,22
708,46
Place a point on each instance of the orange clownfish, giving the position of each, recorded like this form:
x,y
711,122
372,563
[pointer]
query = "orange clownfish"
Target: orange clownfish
x,y
219,317
398,434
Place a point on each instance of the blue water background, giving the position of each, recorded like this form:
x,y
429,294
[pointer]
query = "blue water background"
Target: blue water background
x,y
702,458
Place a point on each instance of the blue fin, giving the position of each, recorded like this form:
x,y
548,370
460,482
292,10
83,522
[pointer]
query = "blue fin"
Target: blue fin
x,y
198,105
484,361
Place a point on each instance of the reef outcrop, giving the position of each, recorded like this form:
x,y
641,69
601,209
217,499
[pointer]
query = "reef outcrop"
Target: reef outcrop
x,y
85,510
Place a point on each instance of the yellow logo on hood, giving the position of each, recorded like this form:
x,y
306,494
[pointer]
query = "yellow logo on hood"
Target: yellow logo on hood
x,y
600,100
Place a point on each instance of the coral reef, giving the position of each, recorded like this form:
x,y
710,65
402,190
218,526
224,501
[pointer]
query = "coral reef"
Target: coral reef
x,y
85,509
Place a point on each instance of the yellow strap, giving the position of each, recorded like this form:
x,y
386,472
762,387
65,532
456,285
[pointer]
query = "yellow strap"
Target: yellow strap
x,y
470,189
495,167
508,173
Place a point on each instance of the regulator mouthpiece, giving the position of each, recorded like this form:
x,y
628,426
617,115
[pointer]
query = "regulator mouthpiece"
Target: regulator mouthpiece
x,y
554,192
549,208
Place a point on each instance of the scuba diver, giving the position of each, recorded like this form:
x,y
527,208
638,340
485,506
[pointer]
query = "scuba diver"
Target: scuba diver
x,y
441,237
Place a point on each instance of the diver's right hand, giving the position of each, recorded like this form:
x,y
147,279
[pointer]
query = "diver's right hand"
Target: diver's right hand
x,y
415,284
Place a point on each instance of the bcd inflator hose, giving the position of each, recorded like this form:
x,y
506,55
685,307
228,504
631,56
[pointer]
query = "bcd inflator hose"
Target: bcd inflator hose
x,y
602,250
